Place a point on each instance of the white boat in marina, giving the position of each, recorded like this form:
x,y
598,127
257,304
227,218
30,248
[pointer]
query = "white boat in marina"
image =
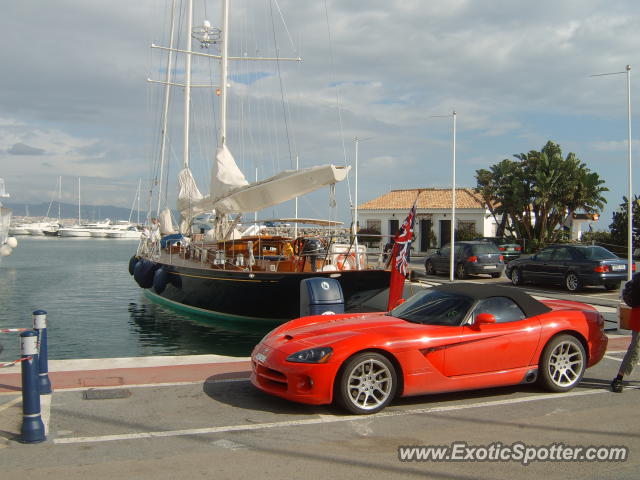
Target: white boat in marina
x,y
130,232
20,229
85,230
7,242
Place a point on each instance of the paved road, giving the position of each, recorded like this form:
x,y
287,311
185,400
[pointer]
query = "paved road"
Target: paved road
x,y
221,427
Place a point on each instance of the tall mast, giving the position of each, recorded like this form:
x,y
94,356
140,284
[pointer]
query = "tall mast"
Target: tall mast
x,y
59,196
165,112
187,86
79,221
223,72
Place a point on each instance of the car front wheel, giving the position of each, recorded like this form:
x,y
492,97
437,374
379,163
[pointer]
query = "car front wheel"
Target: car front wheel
x,y
572,282
562,363
367,383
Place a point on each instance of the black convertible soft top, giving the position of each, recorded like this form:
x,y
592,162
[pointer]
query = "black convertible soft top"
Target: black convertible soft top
x,y
478,291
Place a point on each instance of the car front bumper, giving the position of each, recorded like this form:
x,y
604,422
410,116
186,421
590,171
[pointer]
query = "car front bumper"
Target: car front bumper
x,y
310,383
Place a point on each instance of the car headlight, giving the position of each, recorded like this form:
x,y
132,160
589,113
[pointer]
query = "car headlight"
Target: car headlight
x,y
312,355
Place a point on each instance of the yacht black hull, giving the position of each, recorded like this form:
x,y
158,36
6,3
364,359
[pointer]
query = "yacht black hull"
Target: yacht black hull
x,y
256,296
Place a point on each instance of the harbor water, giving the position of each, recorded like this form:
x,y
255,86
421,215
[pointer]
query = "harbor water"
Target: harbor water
x,y
95,308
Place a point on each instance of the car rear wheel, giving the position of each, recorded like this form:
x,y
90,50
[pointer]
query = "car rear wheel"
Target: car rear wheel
x,y
516,277
496,275
428,268
572,282
562,363
461,272
611,286
367,383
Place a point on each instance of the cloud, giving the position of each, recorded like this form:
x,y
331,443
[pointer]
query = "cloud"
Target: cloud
x,y
517,73
22,149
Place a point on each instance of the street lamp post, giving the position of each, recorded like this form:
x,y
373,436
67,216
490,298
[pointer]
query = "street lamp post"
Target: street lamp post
x,y
452,259
629,182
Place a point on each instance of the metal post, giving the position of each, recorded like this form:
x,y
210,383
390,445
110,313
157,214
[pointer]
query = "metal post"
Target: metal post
x,y
40,326
629,200
32,426
453,205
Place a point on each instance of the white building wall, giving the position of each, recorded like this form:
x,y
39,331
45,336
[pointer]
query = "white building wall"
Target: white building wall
x,y
484,223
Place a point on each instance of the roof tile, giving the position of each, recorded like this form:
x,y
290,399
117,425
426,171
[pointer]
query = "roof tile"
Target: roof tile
x,y
429,198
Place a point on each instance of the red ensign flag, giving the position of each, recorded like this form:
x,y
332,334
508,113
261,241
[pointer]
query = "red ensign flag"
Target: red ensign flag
x,y
400,256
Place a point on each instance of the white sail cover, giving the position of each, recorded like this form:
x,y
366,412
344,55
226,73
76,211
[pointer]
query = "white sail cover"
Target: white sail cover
x,y
226,174
189,194
166,225
280,188
188,197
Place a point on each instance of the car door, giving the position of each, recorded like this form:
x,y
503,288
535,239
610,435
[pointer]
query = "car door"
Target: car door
x,y
441,259
561,261
536,269
507,344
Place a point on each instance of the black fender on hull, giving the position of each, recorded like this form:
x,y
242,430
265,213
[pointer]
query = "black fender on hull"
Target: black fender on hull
x,y
144,271
160,280
132,263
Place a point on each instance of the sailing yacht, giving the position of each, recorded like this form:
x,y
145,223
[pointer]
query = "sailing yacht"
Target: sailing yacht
x,y
224,273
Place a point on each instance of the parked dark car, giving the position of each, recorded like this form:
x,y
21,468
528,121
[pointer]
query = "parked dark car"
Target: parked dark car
x,y
573,266
509,248
470,258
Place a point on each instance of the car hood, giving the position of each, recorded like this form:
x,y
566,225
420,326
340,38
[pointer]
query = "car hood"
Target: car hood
x,y
377,329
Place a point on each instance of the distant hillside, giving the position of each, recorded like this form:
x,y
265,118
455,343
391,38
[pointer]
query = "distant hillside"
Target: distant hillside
x,y
67,210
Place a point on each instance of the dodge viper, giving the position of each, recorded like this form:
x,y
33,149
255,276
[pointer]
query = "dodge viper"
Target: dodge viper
x,y
447,338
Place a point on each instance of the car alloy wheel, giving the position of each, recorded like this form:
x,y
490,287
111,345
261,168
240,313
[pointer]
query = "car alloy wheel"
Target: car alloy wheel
x,y
461,272
563,362
572,282
367,383
516,277
428,268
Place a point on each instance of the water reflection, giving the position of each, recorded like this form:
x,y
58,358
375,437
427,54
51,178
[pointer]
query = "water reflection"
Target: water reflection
x,y
161,329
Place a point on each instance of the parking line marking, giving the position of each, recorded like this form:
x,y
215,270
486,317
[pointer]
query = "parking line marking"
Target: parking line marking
x,y
322,419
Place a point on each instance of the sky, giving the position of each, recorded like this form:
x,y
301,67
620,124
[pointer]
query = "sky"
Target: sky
x,y
75,101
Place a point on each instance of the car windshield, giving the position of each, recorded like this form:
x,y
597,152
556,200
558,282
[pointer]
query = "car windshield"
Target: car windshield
x,y
484,248
596,253
434,307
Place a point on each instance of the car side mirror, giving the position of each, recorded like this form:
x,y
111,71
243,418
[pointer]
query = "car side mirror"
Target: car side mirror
x,y
533,257
485,318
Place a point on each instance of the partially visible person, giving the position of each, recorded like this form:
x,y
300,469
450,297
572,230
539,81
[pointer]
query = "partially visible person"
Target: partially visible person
x,y
631,296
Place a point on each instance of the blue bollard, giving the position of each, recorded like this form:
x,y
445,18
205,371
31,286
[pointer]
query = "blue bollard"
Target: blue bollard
x,y
32,426
40,326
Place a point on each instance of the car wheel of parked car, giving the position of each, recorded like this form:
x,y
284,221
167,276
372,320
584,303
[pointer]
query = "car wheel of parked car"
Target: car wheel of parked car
x,y
428,268
461,272
562,363
572,282
367,383
611,286
496,275
516,277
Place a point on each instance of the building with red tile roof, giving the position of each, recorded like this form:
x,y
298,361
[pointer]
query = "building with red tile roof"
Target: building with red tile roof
x,y
386,213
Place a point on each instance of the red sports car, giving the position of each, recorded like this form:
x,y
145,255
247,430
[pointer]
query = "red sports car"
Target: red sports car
x,y
452,337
